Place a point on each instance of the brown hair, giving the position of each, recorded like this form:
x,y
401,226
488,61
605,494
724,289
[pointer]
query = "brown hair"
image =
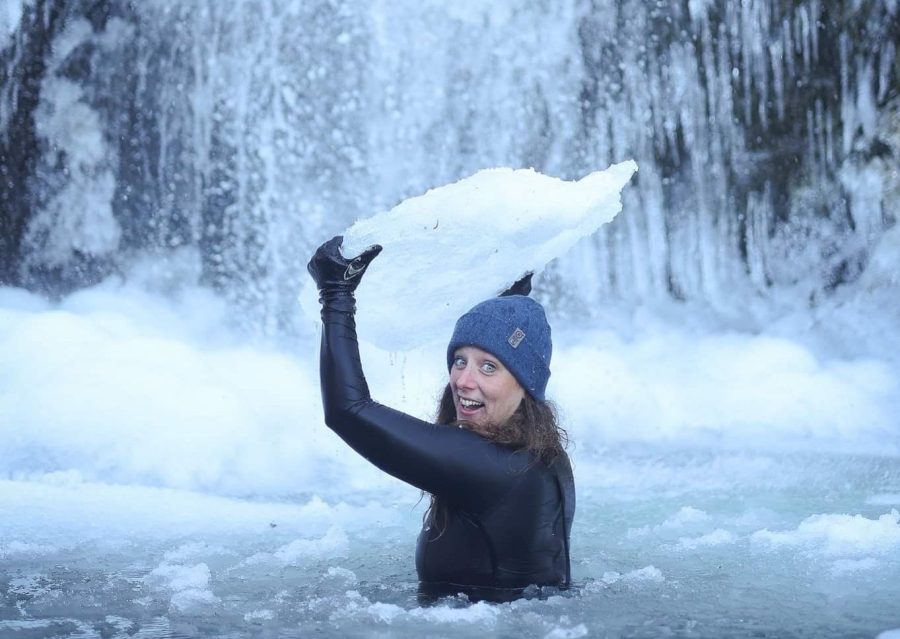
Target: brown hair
x,y
533,428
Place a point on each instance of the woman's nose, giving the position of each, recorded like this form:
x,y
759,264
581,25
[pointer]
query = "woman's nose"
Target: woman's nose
x,y
465,379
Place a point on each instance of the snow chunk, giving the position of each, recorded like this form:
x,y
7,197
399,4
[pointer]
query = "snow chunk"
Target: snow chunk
x,y
336,572
192,598
179,577
259,615
480,612
650,574
459,244
189,585
575,632
844,566
355,605
333,544
840,534
718,537
686,515
19,548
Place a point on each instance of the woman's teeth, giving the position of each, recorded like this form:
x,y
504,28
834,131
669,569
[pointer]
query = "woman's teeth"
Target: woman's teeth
x,y
468,403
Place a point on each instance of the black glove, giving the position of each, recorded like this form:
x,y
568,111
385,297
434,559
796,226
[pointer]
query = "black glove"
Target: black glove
x,y
335,275
522,286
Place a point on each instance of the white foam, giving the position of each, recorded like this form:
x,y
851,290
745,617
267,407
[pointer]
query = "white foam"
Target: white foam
x,y
841,535
459,244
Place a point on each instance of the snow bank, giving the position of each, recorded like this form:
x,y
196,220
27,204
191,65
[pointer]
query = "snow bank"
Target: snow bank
x,y
119,385
672,384
459,244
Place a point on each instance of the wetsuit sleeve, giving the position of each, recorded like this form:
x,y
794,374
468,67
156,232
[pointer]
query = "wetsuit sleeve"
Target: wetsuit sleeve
x,y
456,464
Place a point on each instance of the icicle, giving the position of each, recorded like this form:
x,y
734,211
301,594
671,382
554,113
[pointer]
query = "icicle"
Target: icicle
x,y
886,60
805,38
867,112
829,139
758,215
776,56
814,28
848,120
821,150
811,160
788,48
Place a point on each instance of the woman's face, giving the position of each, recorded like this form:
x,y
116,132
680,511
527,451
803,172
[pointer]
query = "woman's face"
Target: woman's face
x,y
484,391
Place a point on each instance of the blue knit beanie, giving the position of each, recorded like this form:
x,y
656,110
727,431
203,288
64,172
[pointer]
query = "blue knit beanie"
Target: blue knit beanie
x,y
514,329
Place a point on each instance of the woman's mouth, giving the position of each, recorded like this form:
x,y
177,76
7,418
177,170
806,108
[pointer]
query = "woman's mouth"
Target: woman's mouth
x,y
469,406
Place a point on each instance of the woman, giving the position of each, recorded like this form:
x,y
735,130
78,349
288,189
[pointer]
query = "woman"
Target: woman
x,y
502,491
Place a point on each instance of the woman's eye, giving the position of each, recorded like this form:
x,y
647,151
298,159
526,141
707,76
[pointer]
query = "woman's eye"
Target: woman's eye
x,y
459,362
488,367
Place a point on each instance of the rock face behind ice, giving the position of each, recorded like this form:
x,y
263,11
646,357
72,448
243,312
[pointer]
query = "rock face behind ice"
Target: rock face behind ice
x,y
456,245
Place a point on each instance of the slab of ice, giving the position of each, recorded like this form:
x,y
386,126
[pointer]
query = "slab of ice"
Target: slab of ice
x,y
459,244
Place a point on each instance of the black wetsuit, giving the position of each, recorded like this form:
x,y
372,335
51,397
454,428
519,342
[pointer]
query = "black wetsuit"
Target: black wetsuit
x,y
509,514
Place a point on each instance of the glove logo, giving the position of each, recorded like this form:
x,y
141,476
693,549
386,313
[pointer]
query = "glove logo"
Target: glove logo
x,y
354,269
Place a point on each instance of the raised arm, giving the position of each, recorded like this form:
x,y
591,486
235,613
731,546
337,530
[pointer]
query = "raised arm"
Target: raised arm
x,y
454,463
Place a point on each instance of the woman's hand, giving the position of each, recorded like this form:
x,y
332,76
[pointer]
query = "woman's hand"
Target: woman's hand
x,y
333,273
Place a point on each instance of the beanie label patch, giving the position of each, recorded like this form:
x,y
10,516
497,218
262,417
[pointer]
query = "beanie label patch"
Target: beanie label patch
x,y
516,338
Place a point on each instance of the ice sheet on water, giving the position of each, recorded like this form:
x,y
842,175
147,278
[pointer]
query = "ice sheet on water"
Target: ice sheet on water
x,y
456,245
